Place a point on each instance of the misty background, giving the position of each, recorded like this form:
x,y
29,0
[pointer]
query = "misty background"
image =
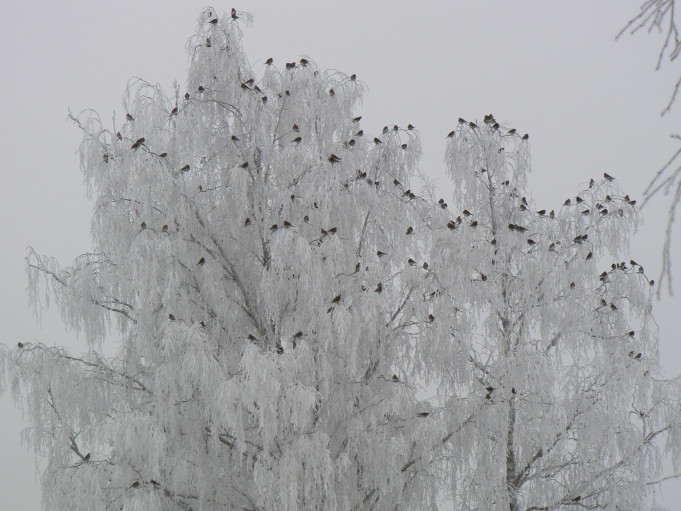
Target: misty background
x,y
551,69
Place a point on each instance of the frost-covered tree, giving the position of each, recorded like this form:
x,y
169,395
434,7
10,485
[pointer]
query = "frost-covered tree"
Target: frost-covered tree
x,y
250,255
281,303
552,396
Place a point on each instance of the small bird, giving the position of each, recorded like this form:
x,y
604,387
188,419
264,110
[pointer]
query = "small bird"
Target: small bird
x,y
395,379
137,143
185,168
135,484
591,183
213,21
201,261
274,227
357,119
567,202
269,61
163,155
359,134
353,77
608,177
423,414
287,224
304,62
143,225
379,288
298,335
531,242
164,228
541,212
380,254
431,318
425,266
119,136
244,165
234,15
296,140
474,223
403,146
410,127
87,457
512,131
186,95
306,218
171,317
247,222
451,225
336,299
155,483
201,89
589,256
526,136
20,345
552,247
377,141
411,262
462,120
572,285
129,117
334,159
410,230
472,125
451,134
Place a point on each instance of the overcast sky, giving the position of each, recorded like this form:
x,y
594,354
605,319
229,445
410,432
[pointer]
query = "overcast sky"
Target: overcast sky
x,y
550,68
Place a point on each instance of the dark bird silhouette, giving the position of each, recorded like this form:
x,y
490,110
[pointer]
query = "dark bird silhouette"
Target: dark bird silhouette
x,y
208,43
466,212
185,168
171,317
474,223
274,227
572,285
234,15
119,136
201,89
137,143
20,345
304,62
567,202
552,247
410,230
247,222
163,155
511,131
357,267
589,256
287,224
395,379
631,334
135,484
411,262
353,77
608,177
295,128
451,225
425,266
403,146
379,288
298,335
87,457
213,21
186,95
244,165
336,299
306,218
296,140
377,141
380,254
359,134
357,119
472,125
423,414
129,117
334,159
143,225
164,228
462,120
431,318
451,134
591,183
579,199
541,212
410,127
526,136
531,242
269,61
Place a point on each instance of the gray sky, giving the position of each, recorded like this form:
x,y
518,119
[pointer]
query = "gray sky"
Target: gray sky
x,y
589,104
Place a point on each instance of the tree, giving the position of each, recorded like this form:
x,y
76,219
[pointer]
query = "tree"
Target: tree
x,y
660,15
555,395
284,299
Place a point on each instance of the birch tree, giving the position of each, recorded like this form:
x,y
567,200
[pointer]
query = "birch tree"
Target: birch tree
x,y
283,296
554,400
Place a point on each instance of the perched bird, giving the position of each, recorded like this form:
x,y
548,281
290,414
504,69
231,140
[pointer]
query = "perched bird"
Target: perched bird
x,y
511,131
579,199
608,177
567,202
137,143
296,140
163,155
274,227
526,136
410,230
472,125
287,224
334,159
244,165
186,95
451,225
531,242
201,89
171,317
404,146
129,117
247,222
87,457
201,261
423,414
410,127
298,335
119,136
431,318
631,334
411,262
336,299
185,168
589,256
552,247
135,484
425,266
380,254
304,62
357,119
572,285
379,288
105,157
541,212
353,77
360,133
20,345
269,61
591,183
164,228
451,134
306,218
234,15
213,21
377,141
395,379
208,43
